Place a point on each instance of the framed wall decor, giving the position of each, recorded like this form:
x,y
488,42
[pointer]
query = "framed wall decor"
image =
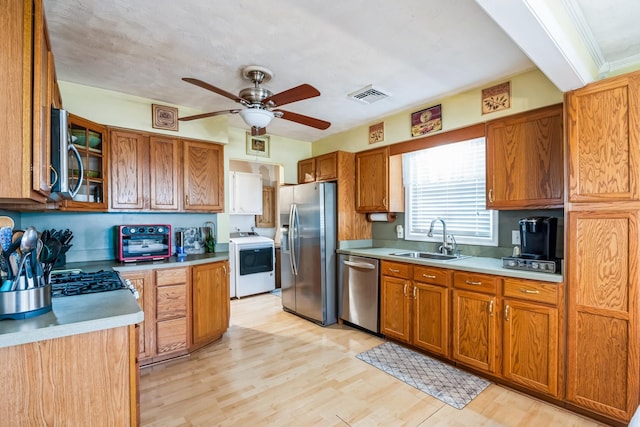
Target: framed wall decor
x,y
427,120
496,98
258,145
163,117
376,133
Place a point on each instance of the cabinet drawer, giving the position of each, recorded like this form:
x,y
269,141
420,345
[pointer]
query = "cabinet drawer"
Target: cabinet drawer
x,y
475,282
396,269
435,276
171,336
171,276
171,302
531,290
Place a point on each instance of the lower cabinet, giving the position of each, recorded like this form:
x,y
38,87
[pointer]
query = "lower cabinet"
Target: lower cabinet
x,y
509,328
210,302
531,337
416,311
79,380
184,308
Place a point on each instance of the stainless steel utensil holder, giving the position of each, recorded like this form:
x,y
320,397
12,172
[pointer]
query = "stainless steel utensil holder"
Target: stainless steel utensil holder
x,y
25,304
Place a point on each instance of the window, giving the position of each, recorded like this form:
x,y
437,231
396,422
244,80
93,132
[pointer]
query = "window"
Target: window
x,y
449,182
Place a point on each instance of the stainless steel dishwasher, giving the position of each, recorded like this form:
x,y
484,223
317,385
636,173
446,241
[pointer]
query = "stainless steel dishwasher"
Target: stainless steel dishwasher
x,y
360,292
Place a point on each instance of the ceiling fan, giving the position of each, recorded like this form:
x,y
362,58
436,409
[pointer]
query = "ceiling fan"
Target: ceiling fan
x,y
260,103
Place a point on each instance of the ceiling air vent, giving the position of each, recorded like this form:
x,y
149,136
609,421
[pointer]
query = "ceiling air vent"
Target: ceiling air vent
x,y
368,95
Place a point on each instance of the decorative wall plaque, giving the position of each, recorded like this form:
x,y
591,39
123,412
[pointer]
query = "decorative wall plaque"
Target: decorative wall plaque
x,y
496,98
163,117
376,133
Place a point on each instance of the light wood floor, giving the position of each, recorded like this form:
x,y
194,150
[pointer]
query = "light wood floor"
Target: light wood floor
x,y
272,368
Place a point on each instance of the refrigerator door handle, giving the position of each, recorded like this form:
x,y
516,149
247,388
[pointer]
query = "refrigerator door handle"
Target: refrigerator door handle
x,y
292,238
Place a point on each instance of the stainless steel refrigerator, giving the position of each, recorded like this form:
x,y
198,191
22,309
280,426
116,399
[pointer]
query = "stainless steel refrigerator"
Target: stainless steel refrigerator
x,y
308,251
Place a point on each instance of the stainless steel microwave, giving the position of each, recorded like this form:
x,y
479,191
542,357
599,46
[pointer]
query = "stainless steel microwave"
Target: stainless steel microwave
x,y
63,152
143,242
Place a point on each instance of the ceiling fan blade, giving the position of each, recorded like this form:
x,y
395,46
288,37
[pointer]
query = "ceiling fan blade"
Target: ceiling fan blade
x,y
205,115
212,88
258,131
303,120
298,93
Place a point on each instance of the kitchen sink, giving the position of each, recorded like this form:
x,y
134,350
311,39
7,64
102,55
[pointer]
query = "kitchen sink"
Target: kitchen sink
x,y
430,255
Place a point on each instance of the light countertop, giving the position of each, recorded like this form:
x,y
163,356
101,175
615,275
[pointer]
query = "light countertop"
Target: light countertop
x,y
73,315
472,264
80,314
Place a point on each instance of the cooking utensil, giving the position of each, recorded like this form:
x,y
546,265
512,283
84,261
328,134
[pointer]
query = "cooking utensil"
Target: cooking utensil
x,y
28,243
50,252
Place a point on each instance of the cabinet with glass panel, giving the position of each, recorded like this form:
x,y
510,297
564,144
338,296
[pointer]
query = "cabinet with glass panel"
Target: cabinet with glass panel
x,y
90,140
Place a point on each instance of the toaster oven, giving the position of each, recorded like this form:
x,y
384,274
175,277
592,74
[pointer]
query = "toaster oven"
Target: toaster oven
x,y
143,242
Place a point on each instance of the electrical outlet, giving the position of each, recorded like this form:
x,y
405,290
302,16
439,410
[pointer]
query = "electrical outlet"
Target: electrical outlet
x,y
399,231
515,237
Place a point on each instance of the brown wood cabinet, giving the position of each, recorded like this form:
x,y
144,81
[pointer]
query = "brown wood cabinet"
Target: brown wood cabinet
x,y
90,139
128,163
268,217
143,282
210,302
338,166
164,173
378,181
431,309
602,333
165,300
525,161
151,172
475,324
27,70
531,335
203,184
50,380
603,140
185,308
415,305
601,257
307,170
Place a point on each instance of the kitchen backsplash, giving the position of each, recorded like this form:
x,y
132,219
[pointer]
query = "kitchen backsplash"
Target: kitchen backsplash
x,y
384,235
93,235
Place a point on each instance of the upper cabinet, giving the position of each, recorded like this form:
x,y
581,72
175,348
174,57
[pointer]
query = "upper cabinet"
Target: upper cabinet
x,y
203,176
320,168
129,163
524,160
603,135
90,140
26,79
151,172
246,193
379,181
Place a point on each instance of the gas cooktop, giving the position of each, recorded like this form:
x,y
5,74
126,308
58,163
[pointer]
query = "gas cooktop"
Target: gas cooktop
x,y
74,283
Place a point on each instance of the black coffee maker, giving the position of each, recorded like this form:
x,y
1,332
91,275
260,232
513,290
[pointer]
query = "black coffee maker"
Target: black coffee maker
x,y
538,237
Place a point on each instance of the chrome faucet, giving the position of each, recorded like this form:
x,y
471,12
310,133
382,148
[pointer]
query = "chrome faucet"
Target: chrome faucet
x,y
448,241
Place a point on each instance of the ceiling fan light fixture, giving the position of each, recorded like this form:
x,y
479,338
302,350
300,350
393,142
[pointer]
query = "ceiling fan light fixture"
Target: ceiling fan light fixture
x,y
256,117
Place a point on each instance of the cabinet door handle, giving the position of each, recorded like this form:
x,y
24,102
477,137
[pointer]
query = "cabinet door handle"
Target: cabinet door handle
x,y
529,291
394,270
384,202
491,195
471,282
414,292
404,292
186,200
491,308
428,276
506,312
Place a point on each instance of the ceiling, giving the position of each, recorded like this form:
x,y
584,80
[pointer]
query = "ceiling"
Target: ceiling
x,y
416,51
